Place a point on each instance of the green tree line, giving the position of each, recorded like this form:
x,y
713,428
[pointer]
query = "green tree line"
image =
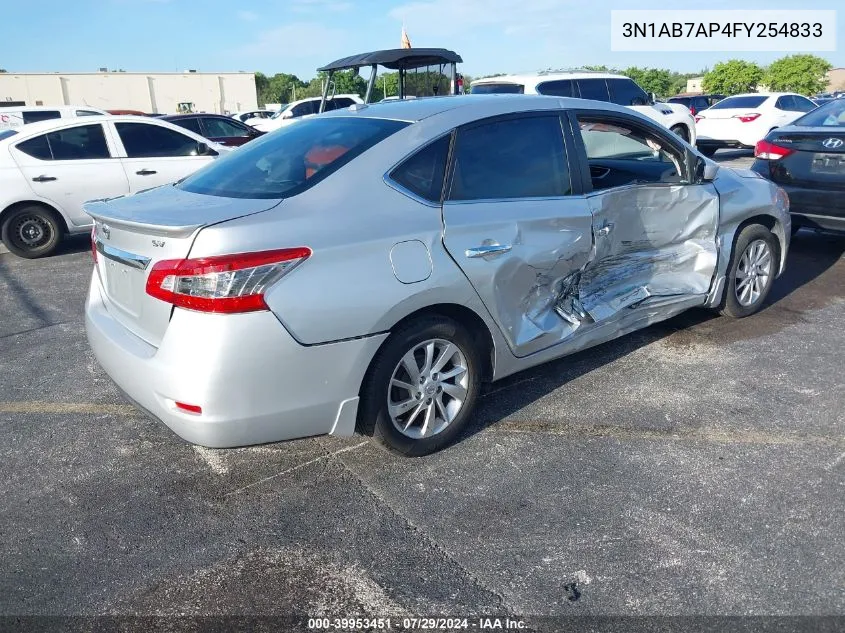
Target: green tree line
x,y
804,74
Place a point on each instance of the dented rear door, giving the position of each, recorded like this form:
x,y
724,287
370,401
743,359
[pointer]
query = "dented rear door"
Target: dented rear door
x,y
517,228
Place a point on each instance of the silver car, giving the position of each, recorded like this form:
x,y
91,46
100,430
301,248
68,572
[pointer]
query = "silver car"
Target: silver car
x,y
370,268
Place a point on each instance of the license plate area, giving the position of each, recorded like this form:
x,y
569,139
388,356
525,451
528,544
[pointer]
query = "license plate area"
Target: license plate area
x,y
124,286
828,164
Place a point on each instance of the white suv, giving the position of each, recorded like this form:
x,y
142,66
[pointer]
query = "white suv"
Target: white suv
x,y
597,86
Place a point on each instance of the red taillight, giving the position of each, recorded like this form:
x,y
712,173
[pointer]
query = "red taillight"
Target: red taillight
x,y
94,243
224,283
188,408
747,118
692,110
769,151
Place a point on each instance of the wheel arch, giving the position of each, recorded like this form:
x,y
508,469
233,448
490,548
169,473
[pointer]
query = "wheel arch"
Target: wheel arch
x,y
63,225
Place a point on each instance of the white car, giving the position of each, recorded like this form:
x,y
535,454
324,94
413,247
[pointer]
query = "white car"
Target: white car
x,y
253,116
49,169
16,116
742,120
305,107
597,86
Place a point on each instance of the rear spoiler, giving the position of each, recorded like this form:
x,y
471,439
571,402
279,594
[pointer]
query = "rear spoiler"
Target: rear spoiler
x,y
102,212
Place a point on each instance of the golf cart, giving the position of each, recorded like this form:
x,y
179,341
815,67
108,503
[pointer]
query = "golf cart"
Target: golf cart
x,y
433,71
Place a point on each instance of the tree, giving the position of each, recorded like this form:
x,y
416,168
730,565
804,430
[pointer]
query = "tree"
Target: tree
x,y
733,77
805,74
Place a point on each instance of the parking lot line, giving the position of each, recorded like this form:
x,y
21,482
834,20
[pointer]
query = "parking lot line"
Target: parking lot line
x,y
34,406
701,434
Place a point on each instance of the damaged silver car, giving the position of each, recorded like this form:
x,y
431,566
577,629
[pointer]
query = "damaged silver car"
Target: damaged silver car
x,y
370,268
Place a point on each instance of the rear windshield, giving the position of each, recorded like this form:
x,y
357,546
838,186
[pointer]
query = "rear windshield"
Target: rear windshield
x,y
684,100
831,114
739,102
290,160
499,89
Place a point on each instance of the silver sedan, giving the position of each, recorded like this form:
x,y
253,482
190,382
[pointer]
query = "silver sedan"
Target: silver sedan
x,y
370,268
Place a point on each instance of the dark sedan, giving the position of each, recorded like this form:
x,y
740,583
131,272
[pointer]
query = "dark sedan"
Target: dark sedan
x,y
807,159
215,127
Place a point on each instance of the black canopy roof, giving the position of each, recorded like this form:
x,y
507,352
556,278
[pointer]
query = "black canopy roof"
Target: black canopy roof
x,y
396,58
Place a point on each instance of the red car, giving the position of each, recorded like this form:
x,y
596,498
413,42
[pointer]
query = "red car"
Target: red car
x,y
215,127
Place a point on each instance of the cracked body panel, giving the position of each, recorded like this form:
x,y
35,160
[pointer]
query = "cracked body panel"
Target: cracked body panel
x,y
550,241
651,242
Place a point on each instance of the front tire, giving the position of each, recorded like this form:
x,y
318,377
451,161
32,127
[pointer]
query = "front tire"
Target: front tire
x,y
422,387
681,131
31,231
754,264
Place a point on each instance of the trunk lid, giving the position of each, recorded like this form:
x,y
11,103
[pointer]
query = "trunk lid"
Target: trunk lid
x,y
133,233
818,160
827,140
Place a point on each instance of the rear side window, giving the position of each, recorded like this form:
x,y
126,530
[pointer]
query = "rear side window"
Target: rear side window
x,y
803,105
751,101
627,93
292,159
503,89
594,89
560,88
510,158
84,142
192,124
221,128
422,173
34,116
303,109
142,140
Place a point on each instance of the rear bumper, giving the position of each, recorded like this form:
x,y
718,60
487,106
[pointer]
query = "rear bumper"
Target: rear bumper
x,y
811,207
254,382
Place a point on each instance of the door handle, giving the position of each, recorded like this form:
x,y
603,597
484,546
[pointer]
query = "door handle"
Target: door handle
x,y
146,172
43,178
606,228
488,249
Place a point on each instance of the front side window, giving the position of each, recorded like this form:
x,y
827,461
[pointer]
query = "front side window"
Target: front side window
x,y
423,173
510,158
303,109
34,116
594,89
143,140
624,153
221,128
292,159
627,93
84,142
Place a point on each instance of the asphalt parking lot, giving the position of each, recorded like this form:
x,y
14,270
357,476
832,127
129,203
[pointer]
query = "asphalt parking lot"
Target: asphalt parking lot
x,y
693,468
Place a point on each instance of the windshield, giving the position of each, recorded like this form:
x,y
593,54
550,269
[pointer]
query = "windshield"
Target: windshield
x,y
504,89
739,102
831,114
291,160
282,111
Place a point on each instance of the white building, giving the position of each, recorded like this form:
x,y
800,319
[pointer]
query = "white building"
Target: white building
x,y
147,92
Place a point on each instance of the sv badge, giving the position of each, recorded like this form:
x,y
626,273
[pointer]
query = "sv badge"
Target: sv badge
x,y
158,243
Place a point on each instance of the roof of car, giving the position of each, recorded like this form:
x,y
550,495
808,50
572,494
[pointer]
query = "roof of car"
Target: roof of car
x,y
413,110
396,58
48,108
538,77
189,115
52,124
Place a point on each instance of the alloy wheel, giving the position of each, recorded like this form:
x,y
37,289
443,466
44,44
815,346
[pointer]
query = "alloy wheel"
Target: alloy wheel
x,y
753,272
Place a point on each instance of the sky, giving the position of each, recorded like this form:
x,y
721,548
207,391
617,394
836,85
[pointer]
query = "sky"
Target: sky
x,y
297,36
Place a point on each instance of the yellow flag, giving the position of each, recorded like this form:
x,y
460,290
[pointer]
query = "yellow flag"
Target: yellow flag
x,y
406,43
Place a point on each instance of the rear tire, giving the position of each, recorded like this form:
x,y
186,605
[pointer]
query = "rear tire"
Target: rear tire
x,y
31,231
751,273
681,131
421,388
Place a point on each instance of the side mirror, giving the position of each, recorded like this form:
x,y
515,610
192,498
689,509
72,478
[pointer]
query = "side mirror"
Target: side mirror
x,y
653,98
705,170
